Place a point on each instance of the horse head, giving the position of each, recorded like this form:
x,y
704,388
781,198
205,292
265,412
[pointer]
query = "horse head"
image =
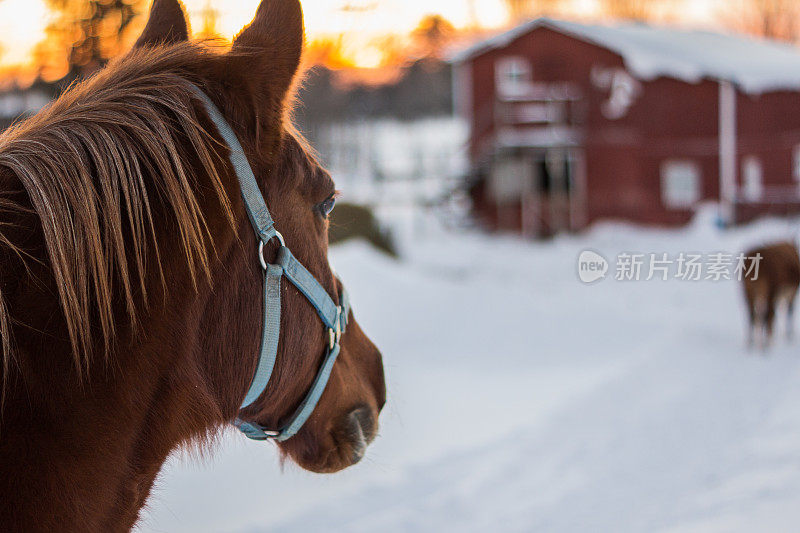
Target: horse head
x,y
251,84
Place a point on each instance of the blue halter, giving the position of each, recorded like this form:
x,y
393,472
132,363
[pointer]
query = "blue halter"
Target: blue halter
x,y
333,316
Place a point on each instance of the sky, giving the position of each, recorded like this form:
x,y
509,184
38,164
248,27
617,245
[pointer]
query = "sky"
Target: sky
x,y
22,22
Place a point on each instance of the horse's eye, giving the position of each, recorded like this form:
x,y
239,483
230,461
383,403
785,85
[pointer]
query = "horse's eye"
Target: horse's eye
x,y
327,206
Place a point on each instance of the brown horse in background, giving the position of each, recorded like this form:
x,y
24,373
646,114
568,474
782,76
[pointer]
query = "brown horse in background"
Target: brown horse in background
x,y
352,221
776,283
130,291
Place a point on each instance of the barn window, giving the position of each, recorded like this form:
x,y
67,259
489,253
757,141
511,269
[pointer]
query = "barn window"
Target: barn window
x,y
753,186
680,184
514,76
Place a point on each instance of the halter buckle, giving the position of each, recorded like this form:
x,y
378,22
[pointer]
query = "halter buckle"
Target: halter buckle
x,y
336,335
261,248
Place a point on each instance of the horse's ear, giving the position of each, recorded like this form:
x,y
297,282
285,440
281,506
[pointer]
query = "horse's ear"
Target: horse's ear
x,y
166,25
269,49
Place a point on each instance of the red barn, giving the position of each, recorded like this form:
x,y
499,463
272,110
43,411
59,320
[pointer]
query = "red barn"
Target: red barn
x,y
572,123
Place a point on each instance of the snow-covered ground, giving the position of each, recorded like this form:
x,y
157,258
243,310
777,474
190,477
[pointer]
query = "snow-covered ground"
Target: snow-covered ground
x,y
521,399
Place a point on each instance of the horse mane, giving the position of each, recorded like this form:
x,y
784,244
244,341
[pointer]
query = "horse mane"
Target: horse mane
x,y
104,166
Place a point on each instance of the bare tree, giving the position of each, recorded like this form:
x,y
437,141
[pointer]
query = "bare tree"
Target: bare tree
x,y
90,32
329,51
208,28
474,22
432,36
631,9
774,19
519,10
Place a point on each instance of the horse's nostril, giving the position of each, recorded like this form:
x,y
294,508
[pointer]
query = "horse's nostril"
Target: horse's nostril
x,y
363,423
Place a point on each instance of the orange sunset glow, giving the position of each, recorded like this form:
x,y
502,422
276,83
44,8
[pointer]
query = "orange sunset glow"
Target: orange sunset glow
x,y
362,28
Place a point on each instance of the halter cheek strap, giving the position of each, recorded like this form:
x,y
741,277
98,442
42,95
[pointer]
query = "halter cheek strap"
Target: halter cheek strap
x,y
333,316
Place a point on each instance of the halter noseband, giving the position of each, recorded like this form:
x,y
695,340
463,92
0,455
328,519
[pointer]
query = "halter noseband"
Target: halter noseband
x,y
333,316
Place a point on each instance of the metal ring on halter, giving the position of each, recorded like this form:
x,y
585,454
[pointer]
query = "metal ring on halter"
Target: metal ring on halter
x,y
270,434
261,248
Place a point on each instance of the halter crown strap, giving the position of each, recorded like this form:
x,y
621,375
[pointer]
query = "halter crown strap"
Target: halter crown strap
x,y
333,316
253,200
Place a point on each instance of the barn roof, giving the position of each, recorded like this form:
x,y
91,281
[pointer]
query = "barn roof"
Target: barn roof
x,y
650,52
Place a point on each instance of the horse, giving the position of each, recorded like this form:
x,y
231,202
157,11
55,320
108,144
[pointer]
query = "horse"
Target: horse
x,y
353,221
131,306
776,283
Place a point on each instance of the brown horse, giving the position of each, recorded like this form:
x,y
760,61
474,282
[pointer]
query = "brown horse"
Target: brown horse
x,y
776,282
130,291
353,221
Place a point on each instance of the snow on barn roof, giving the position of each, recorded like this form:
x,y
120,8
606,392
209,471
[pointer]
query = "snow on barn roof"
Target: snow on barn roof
x,y
649,52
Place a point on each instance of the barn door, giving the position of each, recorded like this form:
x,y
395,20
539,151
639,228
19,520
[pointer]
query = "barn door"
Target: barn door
x,y
551,172
558,167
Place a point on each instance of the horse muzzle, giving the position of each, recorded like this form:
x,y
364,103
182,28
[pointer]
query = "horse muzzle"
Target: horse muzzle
x,y
345,442
359,428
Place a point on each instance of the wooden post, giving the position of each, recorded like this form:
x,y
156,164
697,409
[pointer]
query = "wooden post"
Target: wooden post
x,y
727,151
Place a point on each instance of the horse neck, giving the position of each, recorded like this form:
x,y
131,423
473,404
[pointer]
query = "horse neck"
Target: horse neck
x,y
81,453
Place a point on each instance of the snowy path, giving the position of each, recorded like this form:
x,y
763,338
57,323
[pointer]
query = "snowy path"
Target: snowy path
x,y
522,400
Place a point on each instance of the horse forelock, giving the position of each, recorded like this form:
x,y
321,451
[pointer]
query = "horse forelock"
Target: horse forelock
x,y
108,168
